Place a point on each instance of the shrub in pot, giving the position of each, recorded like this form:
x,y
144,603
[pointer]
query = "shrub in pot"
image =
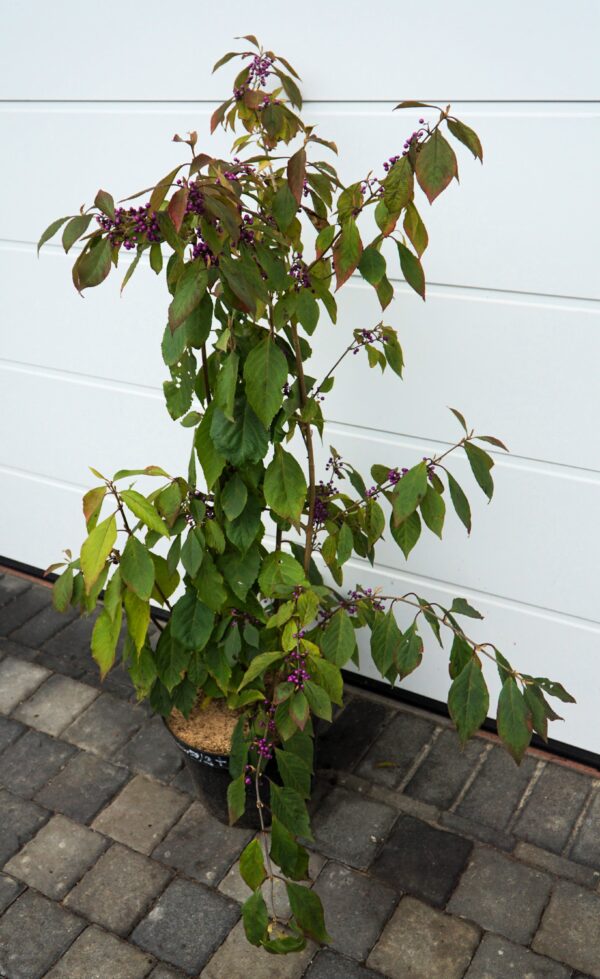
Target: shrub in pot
x,y
246,551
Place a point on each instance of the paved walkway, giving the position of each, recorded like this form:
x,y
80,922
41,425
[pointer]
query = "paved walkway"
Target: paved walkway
x,y
432,863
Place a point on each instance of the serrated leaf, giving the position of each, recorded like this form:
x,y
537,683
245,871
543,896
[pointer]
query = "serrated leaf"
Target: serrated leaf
x,y
285,486
467,136
234,496
289,808
308,911
76,227
280,573
372,265
284,207
481,463
138,618
211,460
460,655
407,534
252,865
410,652
285,852
468,700
137,568
189,291
412,270
398,186
415,229
259,665
50,232
236,799
144,511
318,700
460,606
460,502
95,550
62,590
385,641
104,640
338,639
433,511
294,772
93,264
409,492
347,252
265,373
436,165
514,719
296,172
191,622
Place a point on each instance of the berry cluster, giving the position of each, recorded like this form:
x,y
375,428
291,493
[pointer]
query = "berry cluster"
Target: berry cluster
x,y
323,493
299,272
364,594
260,69
201,250
336,465
298,674
131,226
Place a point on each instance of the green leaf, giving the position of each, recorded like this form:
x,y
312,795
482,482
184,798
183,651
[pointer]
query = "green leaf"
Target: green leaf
x,y
190,288
329,677
324,239
538,708
296,172
234,497
415,229
481,464
292,91
345,544
284,207
96,549
280,573
385,641
226,384
137,569
467,136
555,689
468,699
259,665
104,640
138,618
318,700
412,270
236,799
93,264
265,373
240,571
460,606
338,639
460,502
244,440
286,853
294,772
192,552
144,511
307,310
433,511
308,911
92,504
252,865
460,655
409,492
191,622
256,919
50,232
347,252
407,534
62,590
210,458
76,227
398,186
514,720
436,165
410,652
372,265
393,350
105,203
285,486
288,806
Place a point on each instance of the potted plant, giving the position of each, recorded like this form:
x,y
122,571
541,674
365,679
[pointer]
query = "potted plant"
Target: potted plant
x,y
247,551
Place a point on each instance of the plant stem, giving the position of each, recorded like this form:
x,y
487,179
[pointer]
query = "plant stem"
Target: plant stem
x,y
307,434
264,839
205,374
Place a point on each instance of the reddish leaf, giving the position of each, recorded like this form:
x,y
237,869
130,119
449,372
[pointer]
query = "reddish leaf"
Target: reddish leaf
x,y
177,206
296,171
436,165
347,252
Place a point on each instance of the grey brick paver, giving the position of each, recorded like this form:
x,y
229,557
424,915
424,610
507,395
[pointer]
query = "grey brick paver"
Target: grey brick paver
x,y
501,895
19,820
105,726
496,958
18,679
186,925
10,730
570,928
445,770
425,861
163,971
357,726
9,891
31,761
552,809
97,955
357,908
257,963
118,890
202,847
497,789
11,587
23,608
422,943
586,846
55,704
391,757
83,787
34,932
69,652
56,857
141,814
42,626
365,824
330,965
544,860
10,648
152,751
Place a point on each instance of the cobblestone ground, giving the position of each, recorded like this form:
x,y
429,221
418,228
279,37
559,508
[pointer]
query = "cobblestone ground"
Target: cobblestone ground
x,y
432,863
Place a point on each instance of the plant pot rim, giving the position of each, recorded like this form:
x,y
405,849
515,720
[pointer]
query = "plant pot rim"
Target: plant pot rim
x,y
210,758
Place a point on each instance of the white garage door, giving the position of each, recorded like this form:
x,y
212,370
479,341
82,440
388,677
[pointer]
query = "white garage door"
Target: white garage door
x,y
510,332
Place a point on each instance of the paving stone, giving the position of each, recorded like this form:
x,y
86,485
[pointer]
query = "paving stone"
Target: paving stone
x,y
186,925
353,731
201,846
23,608
497,789
501,895
118,890
391,757
10,648
225,963
18,680
105,726
69,651
586,846
560,866
19,820
357,908
34,932
11,587
350,828
117,682
330,965
233,885
83,787
422,943
31,761
570,929
445,769
479,831
56,857
9,891
42,626
141,814
96,955
184,782
422,860
165,972
552,809
10,730
152,751
55,704
498,959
